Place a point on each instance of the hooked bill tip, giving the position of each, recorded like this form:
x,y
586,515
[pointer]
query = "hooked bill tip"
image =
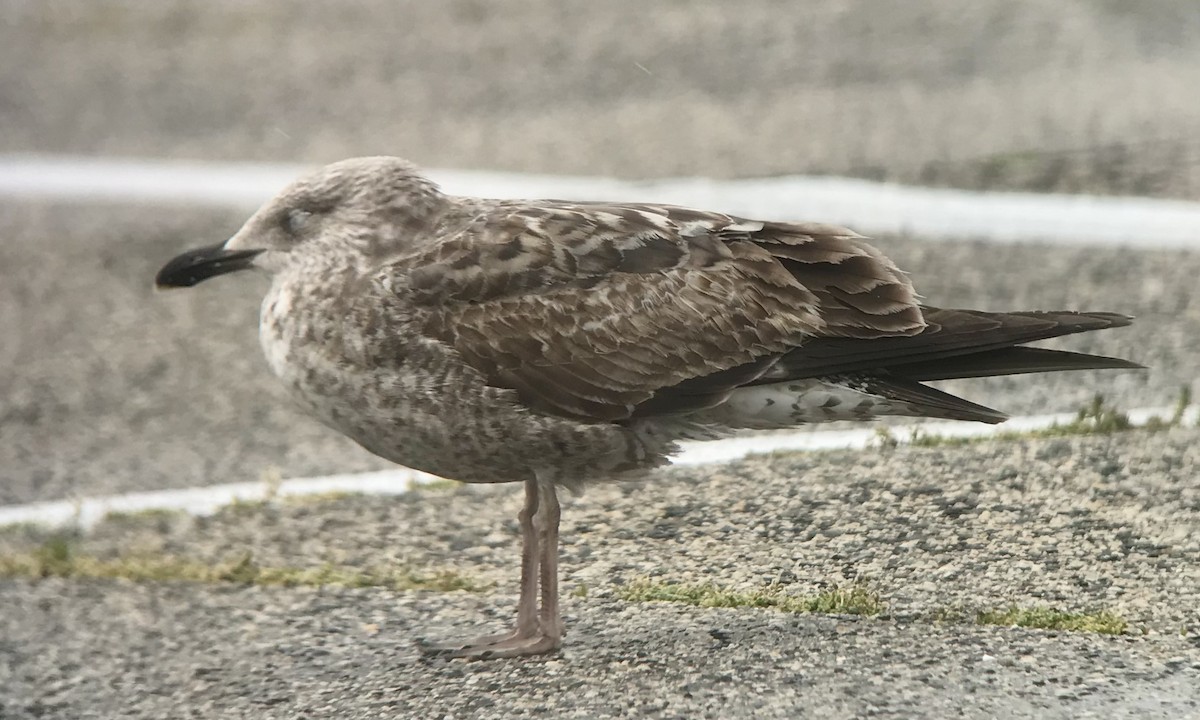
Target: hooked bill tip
x,y
195,266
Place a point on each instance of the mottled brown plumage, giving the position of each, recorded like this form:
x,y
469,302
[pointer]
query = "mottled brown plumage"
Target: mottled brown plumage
x,y
554,342
588,311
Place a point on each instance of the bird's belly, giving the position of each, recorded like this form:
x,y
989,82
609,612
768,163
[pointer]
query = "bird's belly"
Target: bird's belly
x,y
427,411
395,413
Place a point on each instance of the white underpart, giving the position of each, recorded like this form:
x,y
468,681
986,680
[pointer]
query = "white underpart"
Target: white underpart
x,y
782,405
85,512
867,207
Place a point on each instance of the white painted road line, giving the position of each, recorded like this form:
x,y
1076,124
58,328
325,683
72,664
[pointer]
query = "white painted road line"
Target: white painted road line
x,y
86,512
869,207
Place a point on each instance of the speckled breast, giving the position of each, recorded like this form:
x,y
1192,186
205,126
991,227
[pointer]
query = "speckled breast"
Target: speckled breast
x,y
412,401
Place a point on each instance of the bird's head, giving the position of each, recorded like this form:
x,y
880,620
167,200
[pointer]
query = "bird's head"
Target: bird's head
x,y
362,205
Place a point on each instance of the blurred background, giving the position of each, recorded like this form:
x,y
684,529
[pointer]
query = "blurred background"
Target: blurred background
x,y
1053,95
106,386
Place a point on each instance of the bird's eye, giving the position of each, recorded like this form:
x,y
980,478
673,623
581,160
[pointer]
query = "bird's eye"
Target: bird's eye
x,y
296,220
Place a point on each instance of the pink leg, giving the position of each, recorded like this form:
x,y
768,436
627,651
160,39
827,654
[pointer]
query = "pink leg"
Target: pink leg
x,y
550,618
527,604
537,632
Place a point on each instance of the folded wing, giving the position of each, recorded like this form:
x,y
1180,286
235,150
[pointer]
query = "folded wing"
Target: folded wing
x,y
589,311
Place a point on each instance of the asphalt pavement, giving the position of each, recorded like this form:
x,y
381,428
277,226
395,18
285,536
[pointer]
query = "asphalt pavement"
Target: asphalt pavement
x,y
1084,525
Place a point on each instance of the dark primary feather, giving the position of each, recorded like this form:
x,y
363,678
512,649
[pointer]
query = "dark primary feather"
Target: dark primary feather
x,y
1007,361
947,334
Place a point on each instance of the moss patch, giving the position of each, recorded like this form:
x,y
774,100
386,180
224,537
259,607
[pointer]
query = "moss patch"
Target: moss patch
x,y
240,507
21,530
57,557
438,485
331,496
1045,618
854,599
150,516
1097,418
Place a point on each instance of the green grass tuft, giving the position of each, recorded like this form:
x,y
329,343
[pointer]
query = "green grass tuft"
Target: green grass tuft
x,y
438,485
143,517
854,599
949,615
1182,403
1097,418
54,556
330,496
241,507
22,529
57,557
885,439
1045,618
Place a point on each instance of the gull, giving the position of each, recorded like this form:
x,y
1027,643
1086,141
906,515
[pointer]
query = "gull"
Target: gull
x,y
558,343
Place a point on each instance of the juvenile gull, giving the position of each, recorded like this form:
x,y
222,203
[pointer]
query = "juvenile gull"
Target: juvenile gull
x,y
562,343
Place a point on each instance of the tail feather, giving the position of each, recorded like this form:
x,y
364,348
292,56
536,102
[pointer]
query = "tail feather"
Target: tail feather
x,y
922,401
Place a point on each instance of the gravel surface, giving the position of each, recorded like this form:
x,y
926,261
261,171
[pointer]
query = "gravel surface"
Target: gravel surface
x,y
1080,524
101,650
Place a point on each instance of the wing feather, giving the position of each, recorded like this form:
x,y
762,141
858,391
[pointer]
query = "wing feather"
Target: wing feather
x,y
592,311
